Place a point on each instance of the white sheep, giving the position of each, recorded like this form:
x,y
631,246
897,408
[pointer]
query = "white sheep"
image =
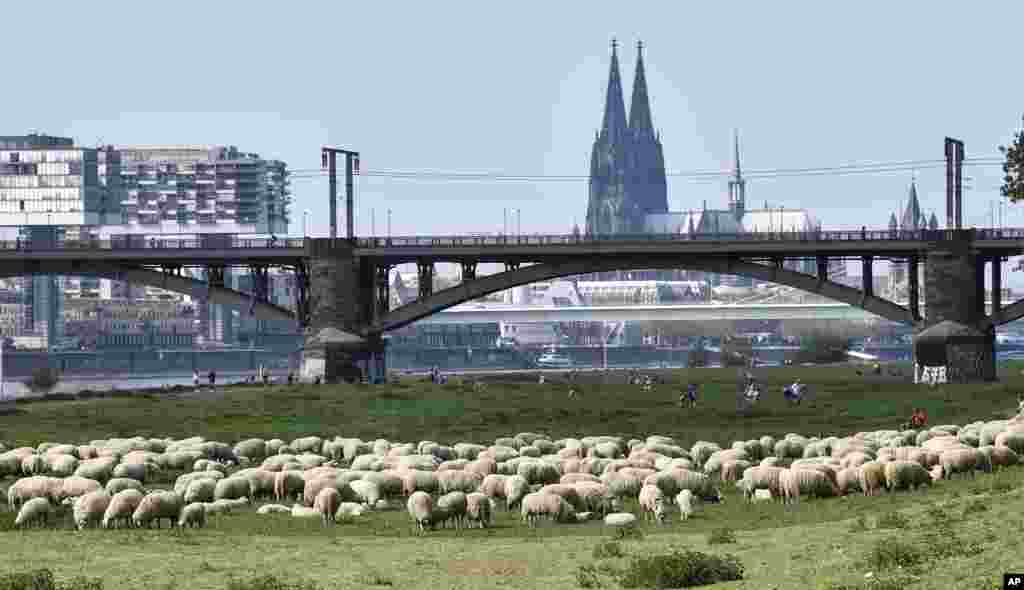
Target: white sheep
x,y
231,488
536,505
37,486
121,507
326,503
157,506
424,511
273,509
901,475
347,509
75,486
34,510
299,511
366,491
200,490
453,504
193,515
962,460
620,519
797,482
288,484
118,484
90,508
872,478
516,488
478,509
686,503
652,503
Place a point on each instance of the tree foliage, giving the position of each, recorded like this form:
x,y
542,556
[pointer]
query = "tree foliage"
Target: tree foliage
x,y
1013,168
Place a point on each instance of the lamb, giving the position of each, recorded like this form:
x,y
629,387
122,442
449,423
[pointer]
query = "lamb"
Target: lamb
x,y
232,487
326,503
796,482
193,515
90,508
35,510
157,506
535,505
963,461
478,509
686,503
454,505
901,475
652,503
872,478
121,507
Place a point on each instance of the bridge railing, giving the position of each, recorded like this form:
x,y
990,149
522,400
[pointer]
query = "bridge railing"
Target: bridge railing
x,y
799,236
133,243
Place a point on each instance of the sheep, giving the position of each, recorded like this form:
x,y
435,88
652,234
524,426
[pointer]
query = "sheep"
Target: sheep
x,y
347,509
414,480
848,480
313,487
232,487
99,469
367,492
454,505
157,506
33,465
118,484
326,503
37,486
225,505
299,511
75,486
620,519
273,509
35,510
62,465
288,484
193,515
872,478
260,480
963,460
90,508
686,503
130,470
423,510
478,509
200,490
594,496
516,488
535,505
701,485
121,507
389,483
762,495
253,448
900,475
652,503
761,477
796,482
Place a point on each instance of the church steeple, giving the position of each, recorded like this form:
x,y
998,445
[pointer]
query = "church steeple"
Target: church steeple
x,y
737,186
640,121
614,127
911,218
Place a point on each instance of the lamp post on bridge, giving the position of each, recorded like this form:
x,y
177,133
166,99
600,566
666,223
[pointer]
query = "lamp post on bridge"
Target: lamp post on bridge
x,y
305,220
389,223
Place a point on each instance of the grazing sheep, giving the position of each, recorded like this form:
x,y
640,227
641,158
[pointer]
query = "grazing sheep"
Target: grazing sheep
x,y
761,477
536,505
568,492
326,503
119,484
273,509
454,505
902,475
157,506
62,465
848,480
347,509
620,519
90,508
366,492
200,490
231,488
797,482
304,512
423,511
121,507
193,515
253,448
288,484
516,488
75,486
762,495
686,503
478,509
962,461
37,486
652,503
35,510
595,497
135,471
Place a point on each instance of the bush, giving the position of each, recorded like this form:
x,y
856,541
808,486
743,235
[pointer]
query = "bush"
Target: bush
x,y
721,536
269,582
43,580
587,577
893,552
680,569
43,380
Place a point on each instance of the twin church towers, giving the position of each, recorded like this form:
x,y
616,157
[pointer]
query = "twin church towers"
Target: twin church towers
x,y
627,168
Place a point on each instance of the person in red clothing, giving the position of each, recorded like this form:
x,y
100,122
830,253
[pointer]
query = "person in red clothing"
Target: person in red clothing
x,y
918,418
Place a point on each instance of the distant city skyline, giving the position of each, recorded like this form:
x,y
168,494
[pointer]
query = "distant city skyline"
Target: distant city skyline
x,y
443,88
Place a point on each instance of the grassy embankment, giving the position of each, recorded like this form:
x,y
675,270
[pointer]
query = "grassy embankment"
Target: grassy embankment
x,y
816,545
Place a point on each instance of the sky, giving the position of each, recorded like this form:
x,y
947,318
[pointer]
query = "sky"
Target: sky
x,y
518,89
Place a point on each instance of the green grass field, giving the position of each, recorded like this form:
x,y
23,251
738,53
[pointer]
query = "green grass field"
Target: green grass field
x,y
820,544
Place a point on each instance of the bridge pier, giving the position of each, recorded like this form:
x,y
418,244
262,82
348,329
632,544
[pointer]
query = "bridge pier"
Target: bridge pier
x,y
955,293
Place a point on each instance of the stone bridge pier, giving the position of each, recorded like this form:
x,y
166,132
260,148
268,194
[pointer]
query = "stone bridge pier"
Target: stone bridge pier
x,y
342,302
957,332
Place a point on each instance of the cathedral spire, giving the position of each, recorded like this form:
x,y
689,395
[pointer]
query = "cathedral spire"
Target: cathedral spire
x,y
614,126
911,218
736,155
737,186
640,122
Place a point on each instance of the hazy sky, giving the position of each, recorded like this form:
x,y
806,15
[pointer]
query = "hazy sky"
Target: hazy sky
x,y
518,88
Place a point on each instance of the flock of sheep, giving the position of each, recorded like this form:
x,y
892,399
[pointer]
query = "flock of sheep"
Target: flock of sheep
x,y
103,482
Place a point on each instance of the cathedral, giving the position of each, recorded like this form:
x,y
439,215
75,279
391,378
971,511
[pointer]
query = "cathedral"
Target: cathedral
x,y
911,219
628,192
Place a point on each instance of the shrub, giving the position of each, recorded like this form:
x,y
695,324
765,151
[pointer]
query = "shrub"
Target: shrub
x,y
721,536
893,552
680,569
42,579
607,549
269,582
893,520
587,577
43,380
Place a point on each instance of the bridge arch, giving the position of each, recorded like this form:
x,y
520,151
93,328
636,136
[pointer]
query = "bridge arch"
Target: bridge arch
x,y
468,291
152,278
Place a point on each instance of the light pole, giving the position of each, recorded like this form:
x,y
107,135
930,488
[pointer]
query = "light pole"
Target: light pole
x,y
504,221
305,220
389,223
373,222
519,226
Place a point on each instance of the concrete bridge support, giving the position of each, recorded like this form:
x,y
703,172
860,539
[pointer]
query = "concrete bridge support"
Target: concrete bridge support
x,y
955,291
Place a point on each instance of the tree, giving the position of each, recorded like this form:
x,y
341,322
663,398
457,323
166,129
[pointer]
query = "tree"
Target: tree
x,y
1013,168
43,380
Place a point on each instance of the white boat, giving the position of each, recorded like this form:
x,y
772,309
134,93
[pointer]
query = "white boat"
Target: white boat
x,y
553,360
